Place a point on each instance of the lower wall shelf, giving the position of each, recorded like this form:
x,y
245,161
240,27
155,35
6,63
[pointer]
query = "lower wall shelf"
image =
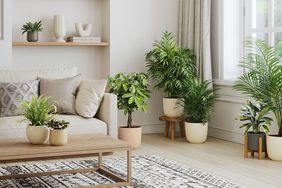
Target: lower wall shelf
x,y
93,44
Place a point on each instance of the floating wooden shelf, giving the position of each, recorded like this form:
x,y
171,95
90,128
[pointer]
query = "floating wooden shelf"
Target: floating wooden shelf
x,y
98,44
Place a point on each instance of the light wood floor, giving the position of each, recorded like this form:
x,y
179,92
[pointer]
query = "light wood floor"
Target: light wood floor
x,y
218,157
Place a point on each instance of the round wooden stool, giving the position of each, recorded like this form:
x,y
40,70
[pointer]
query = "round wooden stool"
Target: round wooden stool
x,y
170,123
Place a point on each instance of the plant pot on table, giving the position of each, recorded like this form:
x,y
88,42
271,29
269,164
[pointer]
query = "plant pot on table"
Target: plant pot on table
x,y
37,134
173,107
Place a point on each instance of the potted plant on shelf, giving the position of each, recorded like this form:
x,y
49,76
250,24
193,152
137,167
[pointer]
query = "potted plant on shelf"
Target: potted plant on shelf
x,y
198,98
170,65
263,82
255,116
37,113
133,94
32,30
58,132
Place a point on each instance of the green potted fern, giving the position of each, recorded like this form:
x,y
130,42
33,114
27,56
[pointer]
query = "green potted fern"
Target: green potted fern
x,y
133,95
169,66
58,133
32,30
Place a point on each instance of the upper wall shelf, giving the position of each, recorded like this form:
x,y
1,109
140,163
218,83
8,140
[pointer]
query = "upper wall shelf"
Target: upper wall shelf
x,y
98,44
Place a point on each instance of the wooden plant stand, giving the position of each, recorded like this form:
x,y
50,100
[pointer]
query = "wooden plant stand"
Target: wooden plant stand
x,y
259,151
170,123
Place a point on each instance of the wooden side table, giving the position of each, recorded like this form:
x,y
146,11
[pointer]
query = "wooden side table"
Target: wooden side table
x,y
170,123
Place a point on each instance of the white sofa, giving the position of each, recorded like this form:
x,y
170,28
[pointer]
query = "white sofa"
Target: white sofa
x,y
105,121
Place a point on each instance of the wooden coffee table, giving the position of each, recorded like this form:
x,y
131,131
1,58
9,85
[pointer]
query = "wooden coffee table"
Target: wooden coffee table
x,y
78,146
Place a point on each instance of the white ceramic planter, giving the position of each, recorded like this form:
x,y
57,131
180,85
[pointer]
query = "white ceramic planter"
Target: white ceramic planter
x,y
37,134
59,28
196,132
58,137
274,145
172,107
131,135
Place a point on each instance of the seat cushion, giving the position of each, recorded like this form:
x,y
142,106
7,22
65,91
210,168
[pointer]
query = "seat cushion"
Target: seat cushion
x,y
11,127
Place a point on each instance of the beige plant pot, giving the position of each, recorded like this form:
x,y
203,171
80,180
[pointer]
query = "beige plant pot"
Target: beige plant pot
x,y
58,137
131,135
274,145
196,132
37,134
172,107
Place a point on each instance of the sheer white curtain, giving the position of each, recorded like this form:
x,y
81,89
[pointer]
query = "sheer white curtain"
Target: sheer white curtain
x,y
194,33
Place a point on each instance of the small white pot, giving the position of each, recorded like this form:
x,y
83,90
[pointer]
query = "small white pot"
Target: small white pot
x,y
274,145
172,107
196,133
131,135
58,137
37,134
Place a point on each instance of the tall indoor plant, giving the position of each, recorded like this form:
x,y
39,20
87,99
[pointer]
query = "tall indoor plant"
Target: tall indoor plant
x,y
263,82
170,65
198,98
133,94
32,30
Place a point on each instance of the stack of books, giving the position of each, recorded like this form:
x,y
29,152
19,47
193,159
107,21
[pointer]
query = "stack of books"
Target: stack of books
x,y
84,39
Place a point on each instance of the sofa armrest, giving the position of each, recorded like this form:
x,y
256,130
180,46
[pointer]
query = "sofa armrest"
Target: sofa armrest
x,y
107,112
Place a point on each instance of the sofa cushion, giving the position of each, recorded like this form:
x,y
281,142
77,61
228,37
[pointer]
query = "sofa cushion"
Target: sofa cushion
x,y
89,96
12,127
62,93
11,95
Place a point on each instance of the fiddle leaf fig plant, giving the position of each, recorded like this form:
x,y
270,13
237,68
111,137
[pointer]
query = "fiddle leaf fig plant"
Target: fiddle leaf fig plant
x,y
132,93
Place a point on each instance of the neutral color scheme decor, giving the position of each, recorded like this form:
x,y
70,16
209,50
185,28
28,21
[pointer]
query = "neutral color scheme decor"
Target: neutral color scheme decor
x,y
89,44
37,134
172,107
89,96
88,145
32,30
83,30
194,33
1,19
11,95
32,36
62,93
196,132
147,171
59,28
170,124
58,137
274,144
132,135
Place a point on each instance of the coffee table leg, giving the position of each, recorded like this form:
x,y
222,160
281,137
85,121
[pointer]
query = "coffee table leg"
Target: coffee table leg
x,y
129,173
100,160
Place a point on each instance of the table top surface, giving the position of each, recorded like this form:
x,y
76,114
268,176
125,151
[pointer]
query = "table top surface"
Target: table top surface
x,y
20,149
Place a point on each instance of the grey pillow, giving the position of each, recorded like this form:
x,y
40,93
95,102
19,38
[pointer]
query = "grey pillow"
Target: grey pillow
x,y
11,95
61,92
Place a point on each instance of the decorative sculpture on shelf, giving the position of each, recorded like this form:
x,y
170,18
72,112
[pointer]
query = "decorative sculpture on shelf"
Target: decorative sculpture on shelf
x,y
83,30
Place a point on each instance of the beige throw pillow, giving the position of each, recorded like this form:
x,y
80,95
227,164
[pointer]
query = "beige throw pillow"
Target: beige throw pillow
x,y
89,97
61,92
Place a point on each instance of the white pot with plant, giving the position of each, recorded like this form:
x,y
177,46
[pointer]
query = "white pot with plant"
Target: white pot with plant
x,y
198,99
37,113
133,94
58,133
32,30
263,82
169,66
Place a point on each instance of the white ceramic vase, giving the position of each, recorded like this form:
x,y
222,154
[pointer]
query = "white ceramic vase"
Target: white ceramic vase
x,y
172,107
196,133
58,137
131,135
83,30
273,145
37,134
59,28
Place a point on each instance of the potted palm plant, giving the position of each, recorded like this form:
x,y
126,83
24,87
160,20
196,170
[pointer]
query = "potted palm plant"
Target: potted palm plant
x,y
37,113
255,116
133,94
170,65
58,132
32,30
263,82
198,98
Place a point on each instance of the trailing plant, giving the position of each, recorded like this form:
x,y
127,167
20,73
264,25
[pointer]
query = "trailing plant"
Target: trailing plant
x,y
170,65
263,77
255,117
32,27
58,124
38,111
198,98
132,93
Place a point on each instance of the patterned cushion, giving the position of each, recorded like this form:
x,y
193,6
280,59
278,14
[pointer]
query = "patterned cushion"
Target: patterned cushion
x,y
11,95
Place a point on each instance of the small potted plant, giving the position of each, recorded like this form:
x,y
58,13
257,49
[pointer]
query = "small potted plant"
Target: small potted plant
x,y
32,30
133,94
58,132
37,113
170,66
255,116
198,99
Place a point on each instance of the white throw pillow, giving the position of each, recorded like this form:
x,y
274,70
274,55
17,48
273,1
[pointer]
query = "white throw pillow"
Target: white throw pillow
x,y
89,97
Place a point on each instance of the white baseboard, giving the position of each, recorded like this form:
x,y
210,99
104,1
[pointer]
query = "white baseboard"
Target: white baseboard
x,y
156,128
